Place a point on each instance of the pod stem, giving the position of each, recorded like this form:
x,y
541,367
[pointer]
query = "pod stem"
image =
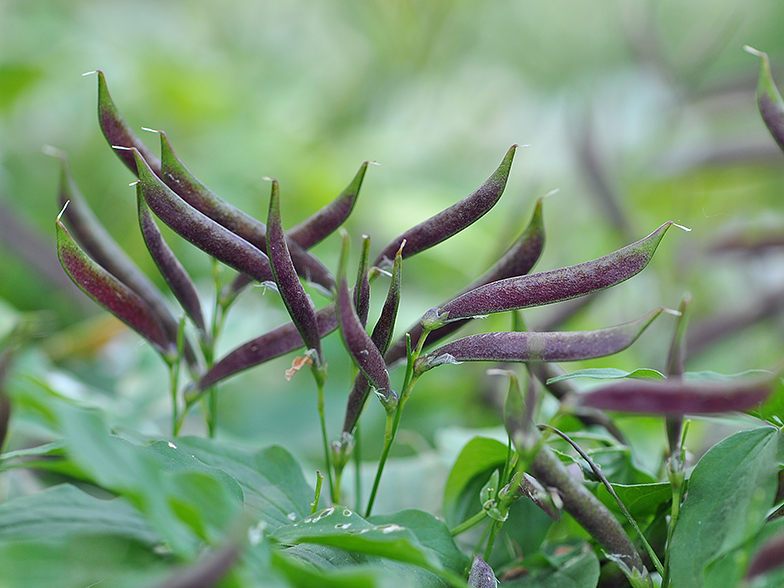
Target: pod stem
x,y
393,417
320,375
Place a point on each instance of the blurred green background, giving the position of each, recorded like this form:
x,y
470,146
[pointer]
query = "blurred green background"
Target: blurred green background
x,y
638,112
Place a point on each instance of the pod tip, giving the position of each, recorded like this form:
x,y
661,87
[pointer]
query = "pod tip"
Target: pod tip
x,y
753,51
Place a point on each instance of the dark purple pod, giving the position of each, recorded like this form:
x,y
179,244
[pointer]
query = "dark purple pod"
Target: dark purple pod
x,y
381,336
111,293
481,574
104,250
553,285
268,346
679,397
534,491
118,133
770,557
360,346
518,260
452,220
298,303
170,267
362,287
537,347
189,188
771,105
326,221
200,230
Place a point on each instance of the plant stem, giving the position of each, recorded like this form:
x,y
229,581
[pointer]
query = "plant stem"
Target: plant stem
x,y
320,374
469,523
319,481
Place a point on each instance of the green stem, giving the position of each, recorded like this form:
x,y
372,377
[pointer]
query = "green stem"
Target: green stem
x,y
469,524
320,374
676,474
357,467
174,377
391,427
319,482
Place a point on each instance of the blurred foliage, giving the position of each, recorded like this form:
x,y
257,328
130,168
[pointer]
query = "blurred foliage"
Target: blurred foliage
x,y
638,112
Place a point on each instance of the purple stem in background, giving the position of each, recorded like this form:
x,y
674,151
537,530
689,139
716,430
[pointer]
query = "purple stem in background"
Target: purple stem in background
x,y
678,397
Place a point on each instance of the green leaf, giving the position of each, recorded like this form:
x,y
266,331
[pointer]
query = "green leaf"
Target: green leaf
x,y
317,565
63,511
270,478
730,492
480,455
578,569
609,374
432,533
641,500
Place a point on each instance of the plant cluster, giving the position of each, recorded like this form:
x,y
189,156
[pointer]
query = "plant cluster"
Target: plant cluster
x,y
561,502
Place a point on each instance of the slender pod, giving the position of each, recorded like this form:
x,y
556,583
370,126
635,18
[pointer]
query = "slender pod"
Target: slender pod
x,y
452,220
362,287
111,293
553,285
360,346
518,260
538,347
678,397
326,221
183,183
200,230
118,132
381,336
170,267
771,105
98,244
298,303
268,346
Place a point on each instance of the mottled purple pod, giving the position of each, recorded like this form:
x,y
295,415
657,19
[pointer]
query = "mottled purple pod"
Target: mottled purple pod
x,y
381,336
771,105
118,133
533,490
326,221
360,346
362,287
452,220
298,303
189,188
538,347
170,267
768,558
518,260
268,346
679,397
481,574
553,285
200,230
111,293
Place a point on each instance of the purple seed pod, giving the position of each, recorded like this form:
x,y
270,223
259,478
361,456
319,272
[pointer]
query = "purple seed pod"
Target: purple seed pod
x,y
268,346
533,490
381,336
104,250
553,285
298,303
771,105
203,232
452,220
119,134
111,293
170,267
481,574
362,287
537,347
679,397
189,188
358,343
518,260
770,557
323,223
